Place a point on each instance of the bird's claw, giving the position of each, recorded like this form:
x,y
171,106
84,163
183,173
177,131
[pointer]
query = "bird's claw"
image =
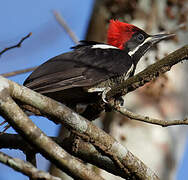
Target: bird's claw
x,y
104,94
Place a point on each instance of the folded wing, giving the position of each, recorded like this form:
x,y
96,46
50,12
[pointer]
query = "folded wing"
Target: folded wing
x,y
82,67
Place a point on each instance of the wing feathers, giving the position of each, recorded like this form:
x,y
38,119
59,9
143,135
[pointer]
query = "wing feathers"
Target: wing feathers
x,y
81,67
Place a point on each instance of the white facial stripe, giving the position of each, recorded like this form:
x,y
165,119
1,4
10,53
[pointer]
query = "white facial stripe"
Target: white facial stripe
x,y
104,46
134,50
129,71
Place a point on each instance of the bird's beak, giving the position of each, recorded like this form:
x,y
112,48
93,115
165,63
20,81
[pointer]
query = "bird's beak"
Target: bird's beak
x,y
158,37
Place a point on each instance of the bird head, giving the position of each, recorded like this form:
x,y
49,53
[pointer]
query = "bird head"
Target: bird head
x,y
132,39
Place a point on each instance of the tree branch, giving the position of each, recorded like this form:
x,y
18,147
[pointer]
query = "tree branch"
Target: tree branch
x,y
85,151
163,123
81,127
25,168
85,129
150,73
47,147
17,45
62,22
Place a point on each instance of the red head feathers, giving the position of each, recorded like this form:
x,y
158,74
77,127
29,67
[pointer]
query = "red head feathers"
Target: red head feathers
x,y
120,32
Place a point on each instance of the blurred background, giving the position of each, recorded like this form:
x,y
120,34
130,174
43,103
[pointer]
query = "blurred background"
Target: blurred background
x,y
164,150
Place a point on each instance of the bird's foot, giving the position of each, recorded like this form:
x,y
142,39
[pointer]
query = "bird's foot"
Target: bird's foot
x,y
106,90
103,90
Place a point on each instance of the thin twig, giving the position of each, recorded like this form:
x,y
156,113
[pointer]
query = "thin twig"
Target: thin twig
x,y
14,73
62,22
150,120
25,168
17,45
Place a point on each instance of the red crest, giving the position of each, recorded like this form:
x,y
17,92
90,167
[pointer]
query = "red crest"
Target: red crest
x,y
119,33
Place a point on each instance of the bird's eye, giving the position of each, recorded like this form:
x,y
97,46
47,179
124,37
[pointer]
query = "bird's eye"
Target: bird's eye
x,y
140,37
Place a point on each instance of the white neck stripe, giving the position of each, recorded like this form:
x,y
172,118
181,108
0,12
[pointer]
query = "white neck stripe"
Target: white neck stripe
x,y
134,50
104,46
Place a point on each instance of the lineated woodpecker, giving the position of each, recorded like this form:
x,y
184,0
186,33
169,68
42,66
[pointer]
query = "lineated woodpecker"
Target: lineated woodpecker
x,y
84,74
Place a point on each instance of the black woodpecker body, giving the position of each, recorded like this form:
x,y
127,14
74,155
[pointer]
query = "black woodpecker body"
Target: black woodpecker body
x,y
82,75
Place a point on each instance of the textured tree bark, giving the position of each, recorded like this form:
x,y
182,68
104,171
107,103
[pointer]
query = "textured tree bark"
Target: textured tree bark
x,y
77,124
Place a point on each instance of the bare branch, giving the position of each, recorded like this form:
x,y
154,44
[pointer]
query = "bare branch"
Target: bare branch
x,y
84,150
80,126
150,120
17,45
22,124
62,22
14,73
25,168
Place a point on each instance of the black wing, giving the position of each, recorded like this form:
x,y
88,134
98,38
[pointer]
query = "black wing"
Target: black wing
x,y
83,67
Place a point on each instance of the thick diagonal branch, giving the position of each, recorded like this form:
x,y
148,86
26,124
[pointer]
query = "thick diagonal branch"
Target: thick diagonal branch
x,y
22,124
83,128
84,150
150,73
